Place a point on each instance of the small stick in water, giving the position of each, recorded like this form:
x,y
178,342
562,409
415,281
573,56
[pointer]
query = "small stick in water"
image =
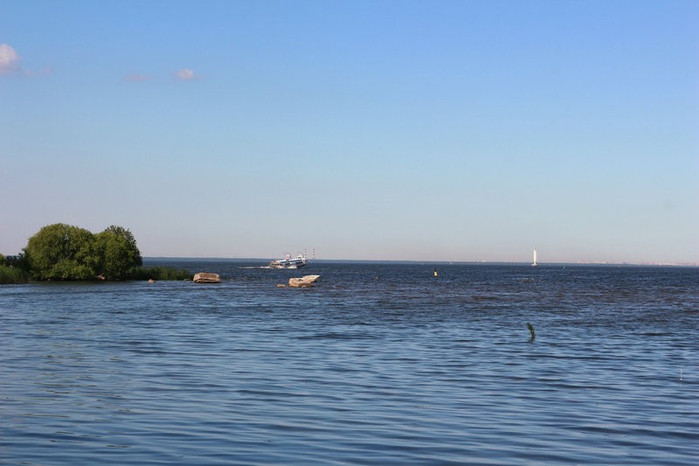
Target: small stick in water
x,y
531,331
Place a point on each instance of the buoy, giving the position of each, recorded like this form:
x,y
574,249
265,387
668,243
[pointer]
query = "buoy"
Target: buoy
x,y
435,272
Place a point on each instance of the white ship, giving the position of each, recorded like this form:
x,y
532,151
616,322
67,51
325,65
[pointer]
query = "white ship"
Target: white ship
x,y
289,262
534,264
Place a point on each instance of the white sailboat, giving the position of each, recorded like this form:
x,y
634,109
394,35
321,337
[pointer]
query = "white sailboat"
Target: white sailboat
x,y
534,264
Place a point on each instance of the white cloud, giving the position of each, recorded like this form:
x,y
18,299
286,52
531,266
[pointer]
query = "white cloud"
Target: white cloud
x,y
185,74
9,60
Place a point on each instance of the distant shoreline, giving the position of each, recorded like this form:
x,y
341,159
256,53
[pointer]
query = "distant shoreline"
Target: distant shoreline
x,y
420,262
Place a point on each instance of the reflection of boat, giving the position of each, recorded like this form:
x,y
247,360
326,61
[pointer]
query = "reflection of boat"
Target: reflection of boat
x,y
289,263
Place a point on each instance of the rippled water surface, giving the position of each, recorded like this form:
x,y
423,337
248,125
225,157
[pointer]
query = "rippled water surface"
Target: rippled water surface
x,y
377,364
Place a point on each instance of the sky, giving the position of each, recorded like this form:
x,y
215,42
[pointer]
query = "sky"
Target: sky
x,y
381,130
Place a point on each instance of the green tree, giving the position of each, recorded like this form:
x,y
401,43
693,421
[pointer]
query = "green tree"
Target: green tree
x,y
119,255
62,252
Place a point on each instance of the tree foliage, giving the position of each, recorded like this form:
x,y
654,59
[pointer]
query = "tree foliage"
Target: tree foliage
x,y
61,252
120,257
65,252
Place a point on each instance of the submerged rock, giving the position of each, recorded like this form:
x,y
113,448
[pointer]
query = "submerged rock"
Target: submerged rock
x,y
206,277
303,282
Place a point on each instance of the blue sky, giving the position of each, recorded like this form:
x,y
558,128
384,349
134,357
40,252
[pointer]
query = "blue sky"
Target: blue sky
x,y
418,130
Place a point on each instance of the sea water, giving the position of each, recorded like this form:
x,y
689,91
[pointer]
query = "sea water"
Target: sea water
x,y
379,363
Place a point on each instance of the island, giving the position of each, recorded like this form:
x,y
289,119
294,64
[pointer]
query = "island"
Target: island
x,y
62,252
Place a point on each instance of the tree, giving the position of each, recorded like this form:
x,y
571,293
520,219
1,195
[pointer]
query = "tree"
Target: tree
x,y
62,252
65,252
119,255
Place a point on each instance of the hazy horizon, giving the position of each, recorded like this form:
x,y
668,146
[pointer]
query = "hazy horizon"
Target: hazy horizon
x,y
412,261
464,131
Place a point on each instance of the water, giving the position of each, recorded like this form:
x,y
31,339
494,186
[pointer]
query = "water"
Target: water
x,y
378,364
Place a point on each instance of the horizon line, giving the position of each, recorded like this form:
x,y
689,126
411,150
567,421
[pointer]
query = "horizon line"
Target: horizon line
x,y
445,262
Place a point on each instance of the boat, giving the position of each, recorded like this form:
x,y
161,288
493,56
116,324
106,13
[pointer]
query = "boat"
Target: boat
x,y
289,262
534,264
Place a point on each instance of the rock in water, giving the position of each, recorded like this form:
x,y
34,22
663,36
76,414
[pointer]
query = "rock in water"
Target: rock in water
x,y
206,277
304,282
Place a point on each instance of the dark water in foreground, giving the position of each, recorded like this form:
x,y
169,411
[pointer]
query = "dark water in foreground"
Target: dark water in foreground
x,y
378,364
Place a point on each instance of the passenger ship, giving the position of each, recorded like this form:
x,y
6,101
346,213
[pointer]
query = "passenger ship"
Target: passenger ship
x,y
289,263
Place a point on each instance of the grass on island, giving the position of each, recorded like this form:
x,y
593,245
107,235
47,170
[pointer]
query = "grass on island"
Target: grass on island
x,y
12,275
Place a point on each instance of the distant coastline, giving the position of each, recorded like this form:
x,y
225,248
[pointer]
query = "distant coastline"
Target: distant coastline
x,y
426,262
